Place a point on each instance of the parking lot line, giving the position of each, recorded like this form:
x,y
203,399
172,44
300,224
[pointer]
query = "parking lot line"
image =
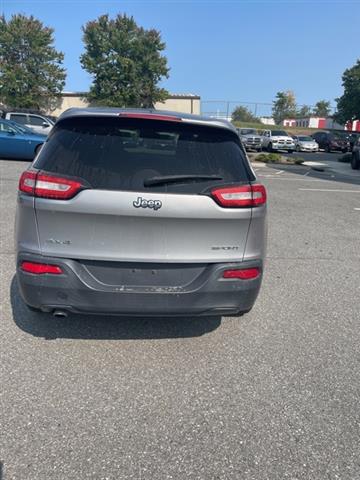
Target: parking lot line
x,y
328,190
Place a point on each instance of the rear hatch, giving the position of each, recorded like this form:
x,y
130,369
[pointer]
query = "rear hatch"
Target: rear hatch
x,y
130,207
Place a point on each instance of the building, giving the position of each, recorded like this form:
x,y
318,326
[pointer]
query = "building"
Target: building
x,y
312,122
267,120
353,126
187,103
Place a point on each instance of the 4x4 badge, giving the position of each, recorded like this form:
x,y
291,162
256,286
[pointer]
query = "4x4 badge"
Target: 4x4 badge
x,y
143,203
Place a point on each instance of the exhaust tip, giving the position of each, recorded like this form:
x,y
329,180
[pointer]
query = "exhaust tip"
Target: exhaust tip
x,y
60,314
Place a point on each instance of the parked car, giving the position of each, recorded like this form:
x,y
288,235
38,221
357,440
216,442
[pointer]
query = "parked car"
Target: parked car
x,y
353,138
119,229
37,123
250,139
355,156
18,142
330,141
305,143
277,140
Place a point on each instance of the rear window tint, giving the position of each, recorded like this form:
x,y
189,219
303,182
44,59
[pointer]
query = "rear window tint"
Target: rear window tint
x,y
119,154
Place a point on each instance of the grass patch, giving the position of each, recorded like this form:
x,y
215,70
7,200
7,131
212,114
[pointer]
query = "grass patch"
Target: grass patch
x,y
277,158
268,157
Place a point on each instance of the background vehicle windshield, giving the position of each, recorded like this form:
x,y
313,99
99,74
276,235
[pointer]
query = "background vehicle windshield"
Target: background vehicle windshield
x,y
279,133
306,139
21,128
248,131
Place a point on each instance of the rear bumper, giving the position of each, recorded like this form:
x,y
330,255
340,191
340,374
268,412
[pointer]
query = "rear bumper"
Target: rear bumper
x,y
78,291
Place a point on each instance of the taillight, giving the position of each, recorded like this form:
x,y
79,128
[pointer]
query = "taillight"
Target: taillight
x,y
27,182
242,274
240,197
48,186
40,268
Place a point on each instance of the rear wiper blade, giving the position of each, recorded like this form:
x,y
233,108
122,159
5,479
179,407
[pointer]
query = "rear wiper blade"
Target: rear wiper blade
x,y
149,182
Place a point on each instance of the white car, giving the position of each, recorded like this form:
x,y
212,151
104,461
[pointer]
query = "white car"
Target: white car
x,y
304,143
277,140
37,123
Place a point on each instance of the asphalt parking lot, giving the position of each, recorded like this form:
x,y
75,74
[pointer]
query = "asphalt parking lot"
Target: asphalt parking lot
x,y
271,395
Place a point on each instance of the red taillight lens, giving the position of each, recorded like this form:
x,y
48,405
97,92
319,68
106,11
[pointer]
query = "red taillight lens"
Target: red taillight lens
x,y
243,274
27,182
150,116
48,186
40,268
240,197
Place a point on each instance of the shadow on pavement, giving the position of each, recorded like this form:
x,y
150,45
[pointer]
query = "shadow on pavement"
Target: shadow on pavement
x,y
94,327
329,174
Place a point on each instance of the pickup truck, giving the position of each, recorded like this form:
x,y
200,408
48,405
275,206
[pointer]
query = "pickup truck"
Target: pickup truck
x,y
37,123
277,140
250,139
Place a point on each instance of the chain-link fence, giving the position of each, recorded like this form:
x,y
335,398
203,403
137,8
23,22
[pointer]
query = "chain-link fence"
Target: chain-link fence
x,y
224,108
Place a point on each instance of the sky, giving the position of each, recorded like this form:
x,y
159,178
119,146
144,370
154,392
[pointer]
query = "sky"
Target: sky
x,y
230,50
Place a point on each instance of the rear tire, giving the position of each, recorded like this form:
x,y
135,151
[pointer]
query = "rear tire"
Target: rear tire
x,y
269,147
290,151
355,163
327,149
297,148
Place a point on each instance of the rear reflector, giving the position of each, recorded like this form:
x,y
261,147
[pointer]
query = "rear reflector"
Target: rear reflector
x,y
150,116
40,268
240,197
243,274
48,186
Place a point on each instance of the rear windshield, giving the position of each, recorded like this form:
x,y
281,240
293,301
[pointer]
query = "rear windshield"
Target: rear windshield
x,y
119,154
279,133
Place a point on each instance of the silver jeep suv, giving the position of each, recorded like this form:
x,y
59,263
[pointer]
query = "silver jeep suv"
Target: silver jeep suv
x,y
136,212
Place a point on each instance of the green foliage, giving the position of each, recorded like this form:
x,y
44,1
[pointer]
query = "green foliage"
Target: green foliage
x,y
284,106
348,105
243,114
31,72
125,62
304,111
297,160
268,157
322,109
278,158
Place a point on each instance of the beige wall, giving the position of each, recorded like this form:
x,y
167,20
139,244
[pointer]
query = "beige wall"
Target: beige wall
x,y
70,102
183,105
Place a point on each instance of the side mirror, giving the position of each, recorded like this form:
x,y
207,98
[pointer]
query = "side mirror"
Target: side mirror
x,y
45,124
11,132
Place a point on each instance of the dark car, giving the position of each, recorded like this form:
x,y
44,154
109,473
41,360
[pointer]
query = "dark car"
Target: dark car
x,y
355,157
353,138
332,141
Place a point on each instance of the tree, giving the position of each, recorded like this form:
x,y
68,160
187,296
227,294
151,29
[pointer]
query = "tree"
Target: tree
x,y
125,61
31,72
322,109
348,105
284,106
243,114
304,111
